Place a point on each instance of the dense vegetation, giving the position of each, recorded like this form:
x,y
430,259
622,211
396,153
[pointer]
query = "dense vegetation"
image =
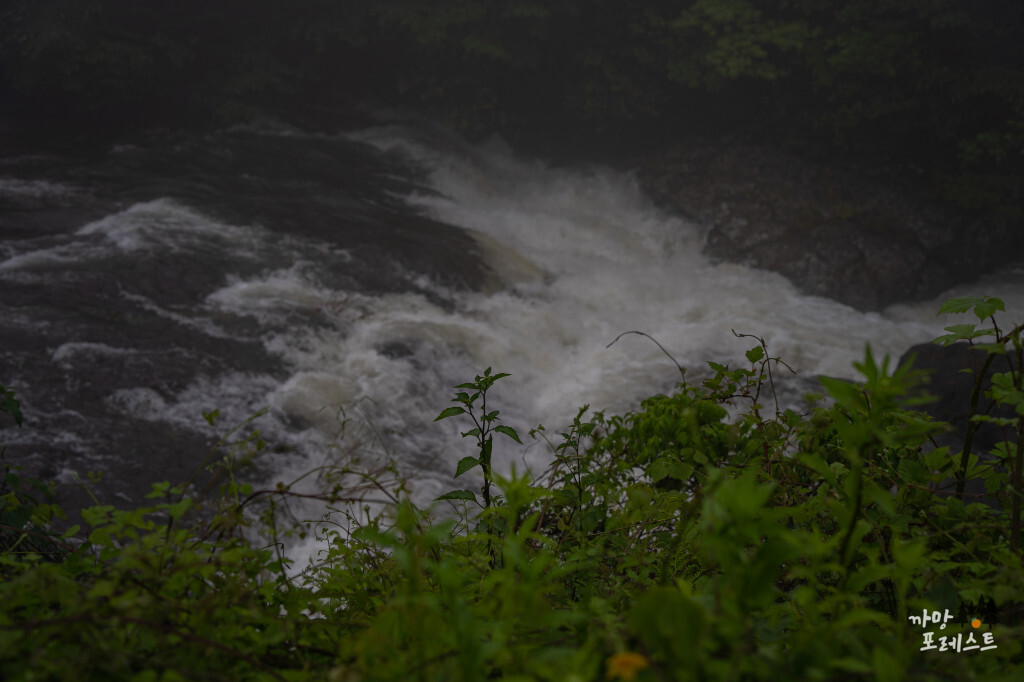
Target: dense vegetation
x,y
670,543
938,71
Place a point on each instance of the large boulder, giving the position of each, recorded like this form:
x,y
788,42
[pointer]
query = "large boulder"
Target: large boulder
x,y
865,235
952,386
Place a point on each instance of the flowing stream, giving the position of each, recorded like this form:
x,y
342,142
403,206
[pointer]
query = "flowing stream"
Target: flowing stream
x,y
360,276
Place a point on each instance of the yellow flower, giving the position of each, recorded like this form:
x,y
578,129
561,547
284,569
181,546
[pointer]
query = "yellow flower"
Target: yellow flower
x,y
625,665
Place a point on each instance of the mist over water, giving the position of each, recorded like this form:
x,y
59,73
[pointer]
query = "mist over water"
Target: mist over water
x,y
253,309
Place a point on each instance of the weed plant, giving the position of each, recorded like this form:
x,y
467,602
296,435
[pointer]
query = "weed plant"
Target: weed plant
x,y
668,543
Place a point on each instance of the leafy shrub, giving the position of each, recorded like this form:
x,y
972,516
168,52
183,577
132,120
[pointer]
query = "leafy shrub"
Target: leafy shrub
x,y
671,543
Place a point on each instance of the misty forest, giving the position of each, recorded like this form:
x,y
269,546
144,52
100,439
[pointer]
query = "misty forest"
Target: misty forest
x,y
476,340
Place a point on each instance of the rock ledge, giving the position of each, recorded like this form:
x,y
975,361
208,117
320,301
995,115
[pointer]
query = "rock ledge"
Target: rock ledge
x,y
867,237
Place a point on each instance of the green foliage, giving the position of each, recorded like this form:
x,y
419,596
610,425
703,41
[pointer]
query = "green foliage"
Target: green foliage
x,y
698,537
482,427
10,404
1007,475
943,76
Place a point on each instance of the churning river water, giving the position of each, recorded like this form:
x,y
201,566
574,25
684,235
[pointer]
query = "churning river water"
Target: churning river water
x,y
362,275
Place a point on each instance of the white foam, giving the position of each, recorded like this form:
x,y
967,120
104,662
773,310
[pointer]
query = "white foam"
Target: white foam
x,y
69,353
36,189
164,224
26,266
583,257
236,395
158,226
139,402
199,323
272,295
601,260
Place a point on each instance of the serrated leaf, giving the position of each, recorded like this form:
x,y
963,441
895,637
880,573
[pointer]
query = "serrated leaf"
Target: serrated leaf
x,y
508,431
913,471
465,464
960,305
449,412
983,306
457,495
946,339
964,331
989,307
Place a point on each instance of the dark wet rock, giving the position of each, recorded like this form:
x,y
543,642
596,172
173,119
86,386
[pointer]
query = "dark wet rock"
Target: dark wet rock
x,y
866,236
951,387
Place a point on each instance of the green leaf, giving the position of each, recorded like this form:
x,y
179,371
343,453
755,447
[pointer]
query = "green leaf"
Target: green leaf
x,y
659,469
989,307
881,497
755,354
465,464
372,535
449,412
983,307
8,403
998,421
457,495
843,392
959,305
885,666
668,623
178,509
70,532
17,517
963,331
664,467
509,431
